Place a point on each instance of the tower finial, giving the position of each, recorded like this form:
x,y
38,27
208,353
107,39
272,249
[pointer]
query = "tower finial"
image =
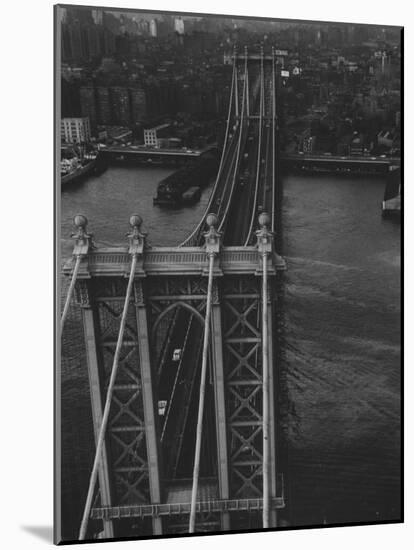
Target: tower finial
x,y
136,237
212,236
264,235
83,240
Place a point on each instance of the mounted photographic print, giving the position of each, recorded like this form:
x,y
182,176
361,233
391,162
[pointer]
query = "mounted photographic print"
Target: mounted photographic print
x,y
228,238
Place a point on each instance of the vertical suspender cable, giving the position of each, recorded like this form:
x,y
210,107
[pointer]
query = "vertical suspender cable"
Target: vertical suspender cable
x,y
199,433
265,369
70,291
109,394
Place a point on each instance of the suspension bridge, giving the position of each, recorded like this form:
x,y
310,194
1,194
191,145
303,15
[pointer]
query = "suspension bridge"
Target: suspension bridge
x,y
181,344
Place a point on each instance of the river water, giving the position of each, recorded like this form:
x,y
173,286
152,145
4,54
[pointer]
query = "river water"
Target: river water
x,y
342,350
340,340
109,200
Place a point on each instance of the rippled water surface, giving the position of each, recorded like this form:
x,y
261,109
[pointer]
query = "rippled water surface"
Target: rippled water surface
x,y
340,340
342,350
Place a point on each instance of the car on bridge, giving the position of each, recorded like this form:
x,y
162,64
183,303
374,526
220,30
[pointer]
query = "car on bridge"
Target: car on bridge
x,y
176,355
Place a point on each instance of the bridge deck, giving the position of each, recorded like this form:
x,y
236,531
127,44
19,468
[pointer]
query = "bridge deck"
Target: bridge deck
x,y
173,261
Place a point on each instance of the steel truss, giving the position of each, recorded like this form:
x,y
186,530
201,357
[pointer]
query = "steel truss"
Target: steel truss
x,y
243,382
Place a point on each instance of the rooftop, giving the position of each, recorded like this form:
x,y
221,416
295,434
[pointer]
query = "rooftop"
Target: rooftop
x,y
159,127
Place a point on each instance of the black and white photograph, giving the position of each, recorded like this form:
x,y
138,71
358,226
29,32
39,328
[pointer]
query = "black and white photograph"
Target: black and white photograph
x,y
228,220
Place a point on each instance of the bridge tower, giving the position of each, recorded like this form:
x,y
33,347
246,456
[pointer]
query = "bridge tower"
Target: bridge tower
x,y
140,487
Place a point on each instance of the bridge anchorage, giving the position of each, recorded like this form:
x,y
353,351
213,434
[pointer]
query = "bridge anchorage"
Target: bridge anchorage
x,y
180,345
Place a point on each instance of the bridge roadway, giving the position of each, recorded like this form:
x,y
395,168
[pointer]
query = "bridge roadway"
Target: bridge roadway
x,y
245,181
255,178
244,187
236,184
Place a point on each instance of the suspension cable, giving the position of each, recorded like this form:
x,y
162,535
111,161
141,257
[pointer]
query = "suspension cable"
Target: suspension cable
x,y
238,145
83,242
70,290
234,77
233,81
105,417
259,150
199,433
265,367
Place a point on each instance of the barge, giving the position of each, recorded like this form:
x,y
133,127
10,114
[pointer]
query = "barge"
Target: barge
x,y
184,186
